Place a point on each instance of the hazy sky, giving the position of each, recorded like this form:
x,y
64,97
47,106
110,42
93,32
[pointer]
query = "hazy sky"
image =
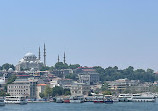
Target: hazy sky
x,y
91,32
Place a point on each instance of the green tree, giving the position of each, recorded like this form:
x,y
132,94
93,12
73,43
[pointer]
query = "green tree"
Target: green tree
x,y
47,91
6,66
66,92
107,92
41,95
61,65
71,76
45,68
57,91
74,66
11,79
104,86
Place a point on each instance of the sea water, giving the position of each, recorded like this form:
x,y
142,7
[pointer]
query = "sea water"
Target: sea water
x,y
87,106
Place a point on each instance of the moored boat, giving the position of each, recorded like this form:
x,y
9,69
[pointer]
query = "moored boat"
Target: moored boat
x,y
108,99
98,99
15,100
66,100
125,97
59,100
76,99
143,98
2,103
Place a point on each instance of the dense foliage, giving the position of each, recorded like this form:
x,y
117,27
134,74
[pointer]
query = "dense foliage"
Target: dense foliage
x,y
113,73
6,66
56,91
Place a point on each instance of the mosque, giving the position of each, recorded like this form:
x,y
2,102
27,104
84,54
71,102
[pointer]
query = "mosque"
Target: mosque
x,y
30,62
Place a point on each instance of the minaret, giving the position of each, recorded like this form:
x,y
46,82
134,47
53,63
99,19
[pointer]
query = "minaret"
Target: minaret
x,y
39,54
58,59
64,58
44,55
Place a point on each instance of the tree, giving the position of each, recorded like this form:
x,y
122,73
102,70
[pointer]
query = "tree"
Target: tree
x,y
11,79
57,91
41,95
107,92
67,92
71,76
104,86
51,68
61,65
45,68
6,66
47,91
74,66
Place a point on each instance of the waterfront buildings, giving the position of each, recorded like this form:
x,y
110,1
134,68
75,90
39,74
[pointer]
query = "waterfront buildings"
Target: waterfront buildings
x,y
89,78
23,87
121,84
80,89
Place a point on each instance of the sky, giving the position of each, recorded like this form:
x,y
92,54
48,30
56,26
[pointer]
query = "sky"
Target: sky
x,y
91,32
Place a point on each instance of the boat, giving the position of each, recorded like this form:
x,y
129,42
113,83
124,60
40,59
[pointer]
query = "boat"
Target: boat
x,y
137,98
15,100
59,100
108,99
2,103
143,98
125,97
76,99
66,100
98,99
115,99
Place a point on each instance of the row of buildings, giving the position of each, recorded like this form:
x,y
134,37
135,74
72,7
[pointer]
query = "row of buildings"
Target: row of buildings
x,y
31,82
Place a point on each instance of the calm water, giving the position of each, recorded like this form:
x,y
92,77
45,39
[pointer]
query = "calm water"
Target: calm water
x,y
81,107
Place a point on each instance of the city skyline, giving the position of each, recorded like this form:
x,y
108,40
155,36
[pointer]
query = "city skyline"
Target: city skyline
x,y
91,33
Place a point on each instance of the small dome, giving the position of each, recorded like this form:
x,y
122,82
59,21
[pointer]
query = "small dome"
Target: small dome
x,y
29,54
32,70
10,70
31,61
22,60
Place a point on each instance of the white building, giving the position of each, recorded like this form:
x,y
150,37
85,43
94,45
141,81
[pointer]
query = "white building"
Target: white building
x,y
23,87
80,89
29,62
89,78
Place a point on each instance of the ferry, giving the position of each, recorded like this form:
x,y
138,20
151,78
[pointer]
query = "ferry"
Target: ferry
x,y
76,99
125,97
143,98
136,98
2,103
15,100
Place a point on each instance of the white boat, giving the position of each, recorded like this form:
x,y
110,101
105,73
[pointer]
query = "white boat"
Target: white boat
x,y
143,98
59,100
76,99
15,100
2,103
125,97
137,98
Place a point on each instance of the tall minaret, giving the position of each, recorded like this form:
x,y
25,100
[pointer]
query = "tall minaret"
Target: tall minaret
x,y
39,54
44,55
64,58
58,59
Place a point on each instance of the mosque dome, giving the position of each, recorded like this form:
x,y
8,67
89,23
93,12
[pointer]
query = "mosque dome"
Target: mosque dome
x,y
31,62
10,70
29,54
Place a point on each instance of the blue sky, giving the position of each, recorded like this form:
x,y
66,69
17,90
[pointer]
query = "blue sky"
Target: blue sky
x,y
92,32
